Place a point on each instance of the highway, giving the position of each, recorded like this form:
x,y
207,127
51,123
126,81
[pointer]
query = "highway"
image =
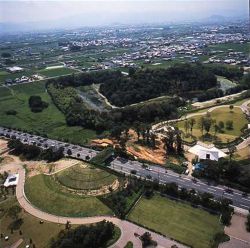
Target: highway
x,y
126,166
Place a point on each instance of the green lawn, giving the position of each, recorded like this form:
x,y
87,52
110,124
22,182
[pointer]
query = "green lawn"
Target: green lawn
x,y
222,114
85,178
56,72
46,194
50,121
182,222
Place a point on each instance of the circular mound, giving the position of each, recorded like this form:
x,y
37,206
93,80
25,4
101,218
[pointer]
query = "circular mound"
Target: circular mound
x,y
85,177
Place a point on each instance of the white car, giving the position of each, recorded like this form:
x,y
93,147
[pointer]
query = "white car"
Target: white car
x,y
11,180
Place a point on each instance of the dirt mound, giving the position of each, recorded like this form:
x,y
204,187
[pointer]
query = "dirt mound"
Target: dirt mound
x,y
156,156
102,142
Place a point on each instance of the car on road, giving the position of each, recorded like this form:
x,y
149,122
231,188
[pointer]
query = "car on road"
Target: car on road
x,y
148,168
229,191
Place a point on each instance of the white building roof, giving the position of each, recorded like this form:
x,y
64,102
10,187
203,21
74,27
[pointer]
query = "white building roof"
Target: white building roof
x,y
11,180
201,150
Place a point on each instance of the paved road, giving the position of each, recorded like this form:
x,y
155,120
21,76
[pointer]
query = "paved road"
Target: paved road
x,y
125,166
127,229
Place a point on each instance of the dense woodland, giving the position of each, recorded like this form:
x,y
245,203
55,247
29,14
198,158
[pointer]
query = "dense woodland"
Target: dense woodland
x,y
78,114
91,236
181,80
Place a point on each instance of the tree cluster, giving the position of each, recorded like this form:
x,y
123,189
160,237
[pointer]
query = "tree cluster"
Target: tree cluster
x,y
32,152
226,171
142,85
36,104
118,201
91,236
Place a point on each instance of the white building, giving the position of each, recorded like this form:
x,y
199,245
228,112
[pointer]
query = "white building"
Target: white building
x,y
210,152
14,69
11,180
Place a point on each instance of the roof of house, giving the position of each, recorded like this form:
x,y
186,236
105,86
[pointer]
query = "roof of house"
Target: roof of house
x,y
201,150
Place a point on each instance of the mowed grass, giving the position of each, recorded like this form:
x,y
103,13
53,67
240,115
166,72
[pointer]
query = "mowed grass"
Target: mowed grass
x,y
194,227
44,193
50,121
85,178
221,114
56,72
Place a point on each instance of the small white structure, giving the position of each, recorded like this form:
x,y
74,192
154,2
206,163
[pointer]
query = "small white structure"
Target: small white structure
x,y
11,180
209,152
14,69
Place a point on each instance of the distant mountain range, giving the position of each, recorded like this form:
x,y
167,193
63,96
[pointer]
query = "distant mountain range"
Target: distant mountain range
x,y
84,21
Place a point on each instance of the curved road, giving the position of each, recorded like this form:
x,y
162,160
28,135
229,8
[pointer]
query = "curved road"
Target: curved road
x,y
127,228
244,107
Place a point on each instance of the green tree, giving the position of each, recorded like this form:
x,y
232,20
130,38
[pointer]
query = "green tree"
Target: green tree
x,y
192,122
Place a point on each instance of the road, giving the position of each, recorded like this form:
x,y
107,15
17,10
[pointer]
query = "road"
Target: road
x,y
125,166
167,176
127,228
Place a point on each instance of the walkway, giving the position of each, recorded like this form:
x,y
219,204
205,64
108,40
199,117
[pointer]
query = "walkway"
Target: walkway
x,y
127,228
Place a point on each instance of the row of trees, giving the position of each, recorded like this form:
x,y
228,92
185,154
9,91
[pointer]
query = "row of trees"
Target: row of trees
x,y
205,200
32,152
226,171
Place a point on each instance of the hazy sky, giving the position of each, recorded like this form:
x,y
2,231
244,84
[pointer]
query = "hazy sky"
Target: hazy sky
x,y
123,11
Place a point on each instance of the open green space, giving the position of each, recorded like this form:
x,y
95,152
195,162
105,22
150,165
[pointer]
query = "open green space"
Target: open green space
x,y
50,121
46,194
85,177
31,228
234,46
223,114
192,226
56,72
6,75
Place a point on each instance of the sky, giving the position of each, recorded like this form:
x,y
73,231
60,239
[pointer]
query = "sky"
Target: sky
x,y
117,11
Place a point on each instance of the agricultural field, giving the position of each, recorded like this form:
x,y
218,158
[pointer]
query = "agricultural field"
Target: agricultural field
x,y
223,114
192,226
50,121
84,176
6,75
235,47
46,194
56,72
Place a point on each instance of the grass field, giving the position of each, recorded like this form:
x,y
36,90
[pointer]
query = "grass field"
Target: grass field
x,y
222,114
50,121
85,178
5,75
235,47
56,72
46,194
180,221
31,228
